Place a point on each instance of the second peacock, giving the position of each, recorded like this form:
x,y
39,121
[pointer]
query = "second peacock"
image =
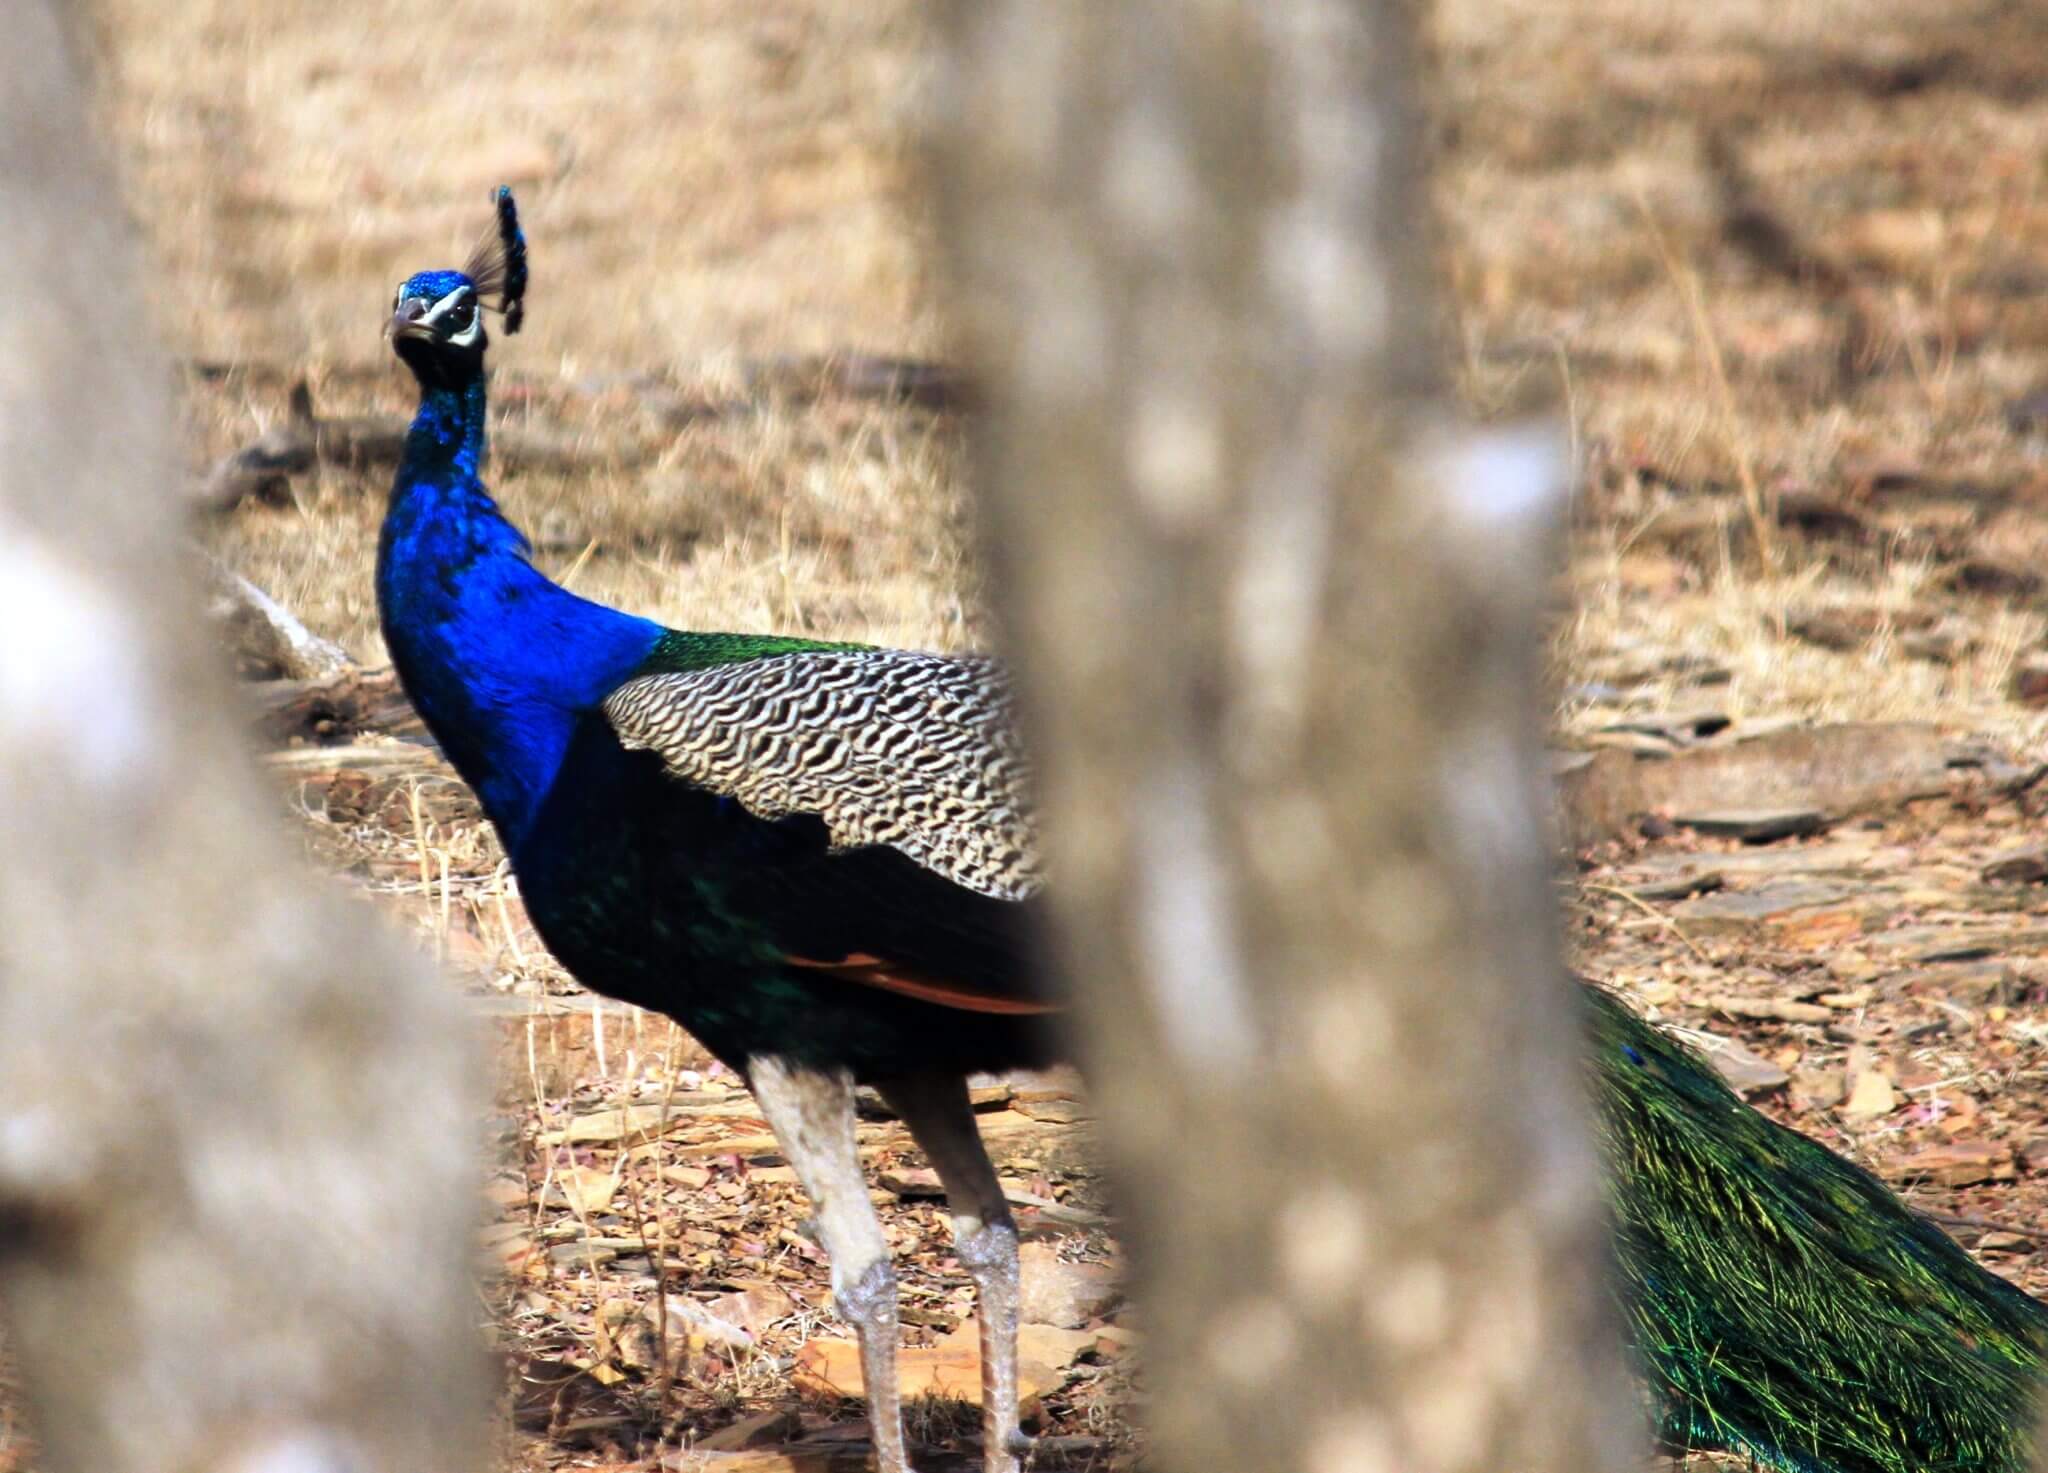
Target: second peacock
x,y
819,859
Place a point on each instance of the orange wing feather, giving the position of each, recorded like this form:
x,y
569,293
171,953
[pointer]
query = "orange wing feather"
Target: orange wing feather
x,y
873,971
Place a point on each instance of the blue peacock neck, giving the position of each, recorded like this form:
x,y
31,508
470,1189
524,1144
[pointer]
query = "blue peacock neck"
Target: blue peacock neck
x,y
500,661
447,434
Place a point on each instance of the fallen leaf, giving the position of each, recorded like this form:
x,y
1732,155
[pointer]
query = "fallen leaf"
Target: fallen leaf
x,y
1815,929
753,1309
700,1327
586,1189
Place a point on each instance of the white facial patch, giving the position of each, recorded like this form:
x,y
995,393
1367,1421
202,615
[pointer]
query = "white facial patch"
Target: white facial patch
x,y
447,305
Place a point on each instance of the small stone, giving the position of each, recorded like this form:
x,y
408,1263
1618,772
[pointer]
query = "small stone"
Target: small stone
x,y
1943,644
2028,414
2029,685
1822,1089
1835,629
1995,579
2025,867
1871,1097
1747,1073
917,1182
1063,1294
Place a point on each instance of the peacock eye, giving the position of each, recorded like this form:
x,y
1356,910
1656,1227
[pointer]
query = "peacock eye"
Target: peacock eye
x,y
460,316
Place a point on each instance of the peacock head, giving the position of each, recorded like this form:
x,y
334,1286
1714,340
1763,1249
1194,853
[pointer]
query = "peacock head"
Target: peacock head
x,y
437,317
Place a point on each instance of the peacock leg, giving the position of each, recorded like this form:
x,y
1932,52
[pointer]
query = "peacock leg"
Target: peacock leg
x,y
811,1113
936,1109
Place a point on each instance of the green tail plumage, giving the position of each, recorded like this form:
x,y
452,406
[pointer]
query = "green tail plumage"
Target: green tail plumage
x,y
1782,1301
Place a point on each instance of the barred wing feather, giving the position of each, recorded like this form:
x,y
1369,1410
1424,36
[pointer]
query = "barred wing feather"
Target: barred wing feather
x,y
911,752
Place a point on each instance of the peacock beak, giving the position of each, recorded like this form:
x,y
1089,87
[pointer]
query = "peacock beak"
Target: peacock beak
x,y
407,321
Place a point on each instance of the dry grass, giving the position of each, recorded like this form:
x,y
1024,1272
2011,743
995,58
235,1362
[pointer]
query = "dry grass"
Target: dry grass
x,y
1568,124
700,187
738,185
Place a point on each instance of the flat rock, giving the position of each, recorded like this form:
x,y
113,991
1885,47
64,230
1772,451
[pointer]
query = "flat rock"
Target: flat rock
x,y
1736,910
1973,984
1754,825
1762,902
1684,887
1955,1164
1748,1073
1839,770
1823,1089
1871,1097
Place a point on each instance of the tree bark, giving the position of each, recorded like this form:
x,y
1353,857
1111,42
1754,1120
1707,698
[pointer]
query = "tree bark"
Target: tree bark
x,y
236,1119
1277,629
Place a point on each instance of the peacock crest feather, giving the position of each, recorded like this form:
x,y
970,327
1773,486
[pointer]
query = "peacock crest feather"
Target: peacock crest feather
x,y
498,264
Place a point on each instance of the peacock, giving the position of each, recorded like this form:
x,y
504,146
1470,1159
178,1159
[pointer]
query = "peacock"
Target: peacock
x,y
819,858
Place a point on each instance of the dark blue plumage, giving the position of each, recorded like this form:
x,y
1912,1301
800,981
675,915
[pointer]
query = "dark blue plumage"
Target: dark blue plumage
x,y
672,895
499,660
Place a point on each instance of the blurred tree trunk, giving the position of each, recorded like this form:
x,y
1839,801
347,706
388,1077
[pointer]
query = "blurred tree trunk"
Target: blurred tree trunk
x,y
1278,632
236,1128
